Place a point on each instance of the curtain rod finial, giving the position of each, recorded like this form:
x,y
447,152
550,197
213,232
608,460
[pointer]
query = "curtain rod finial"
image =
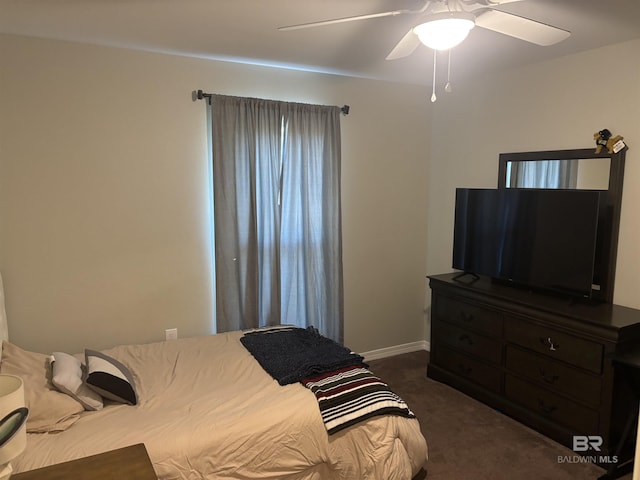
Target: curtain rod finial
x,y
345,109
199,95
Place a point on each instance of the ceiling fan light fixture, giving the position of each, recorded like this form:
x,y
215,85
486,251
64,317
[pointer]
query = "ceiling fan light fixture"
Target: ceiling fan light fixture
x,y
446,30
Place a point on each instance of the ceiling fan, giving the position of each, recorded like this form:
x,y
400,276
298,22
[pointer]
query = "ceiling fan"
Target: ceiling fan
x,y
442,14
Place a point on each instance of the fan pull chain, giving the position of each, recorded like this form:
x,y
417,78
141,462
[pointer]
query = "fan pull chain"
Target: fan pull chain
x,y
447,87
433,94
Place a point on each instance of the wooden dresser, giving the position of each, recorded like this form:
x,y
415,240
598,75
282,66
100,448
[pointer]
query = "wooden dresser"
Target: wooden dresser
x,y
540,359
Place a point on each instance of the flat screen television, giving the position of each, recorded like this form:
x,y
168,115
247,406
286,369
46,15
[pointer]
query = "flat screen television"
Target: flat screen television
x,y
544,239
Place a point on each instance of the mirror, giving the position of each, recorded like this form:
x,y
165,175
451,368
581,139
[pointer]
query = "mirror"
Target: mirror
x,y
582,174
576,169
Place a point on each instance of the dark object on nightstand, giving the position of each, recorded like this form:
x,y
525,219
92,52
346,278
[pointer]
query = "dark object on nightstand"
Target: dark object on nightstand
x,y
628,363
128,463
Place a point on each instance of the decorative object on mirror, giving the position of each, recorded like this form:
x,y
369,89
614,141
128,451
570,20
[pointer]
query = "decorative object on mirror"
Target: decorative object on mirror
x,y
13,429
603,138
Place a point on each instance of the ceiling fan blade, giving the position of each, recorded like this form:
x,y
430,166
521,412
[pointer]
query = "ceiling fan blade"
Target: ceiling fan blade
x,y
521,27
344,20
405,46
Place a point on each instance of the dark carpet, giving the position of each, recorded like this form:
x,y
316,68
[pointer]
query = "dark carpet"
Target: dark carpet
x,y
468,440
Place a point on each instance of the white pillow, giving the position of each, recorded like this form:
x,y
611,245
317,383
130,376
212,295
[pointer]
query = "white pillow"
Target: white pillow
x,y
67,377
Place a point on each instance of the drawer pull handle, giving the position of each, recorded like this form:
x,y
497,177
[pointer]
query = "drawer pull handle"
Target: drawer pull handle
x,y
466,317
466,338
546,409
547,342
465,369
550,378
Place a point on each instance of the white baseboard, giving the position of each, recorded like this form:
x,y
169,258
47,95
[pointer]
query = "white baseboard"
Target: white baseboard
x,y
396,350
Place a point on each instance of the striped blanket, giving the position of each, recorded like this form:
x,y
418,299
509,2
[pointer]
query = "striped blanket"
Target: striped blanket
x,y
352,394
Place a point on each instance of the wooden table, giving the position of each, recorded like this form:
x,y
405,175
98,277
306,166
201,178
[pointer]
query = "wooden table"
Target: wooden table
x,y
128,463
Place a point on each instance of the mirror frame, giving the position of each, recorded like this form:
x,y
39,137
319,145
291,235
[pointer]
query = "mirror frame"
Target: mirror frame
x,y
609,219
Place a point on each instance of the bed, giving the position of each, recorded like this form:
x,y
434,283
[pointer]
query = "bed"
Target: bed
x,y
206,409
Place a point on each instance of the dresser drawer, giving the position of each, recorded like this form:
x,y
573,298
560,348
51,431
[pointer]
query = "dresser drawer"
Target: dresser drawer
x,y
555,344
554,407
469,316
557,376
484,348
469,368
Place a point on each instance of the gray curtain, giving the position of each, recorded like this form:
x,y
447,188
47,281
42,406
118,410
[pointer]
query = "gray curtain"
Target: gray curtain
x,y
277,220
562,174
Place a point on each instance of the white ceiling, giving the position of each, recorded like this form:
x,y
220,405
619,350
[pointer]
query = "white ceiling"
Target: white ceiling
x,y
246,31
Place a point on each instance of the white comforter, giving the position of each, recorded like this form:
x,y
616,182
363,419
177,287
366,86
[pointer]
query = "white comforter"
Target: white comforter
x,y
207,410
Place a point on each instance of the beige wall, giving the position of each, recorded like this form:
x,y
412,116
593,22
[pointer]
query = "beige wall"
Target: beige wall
x,y
104,194
104,183
553,105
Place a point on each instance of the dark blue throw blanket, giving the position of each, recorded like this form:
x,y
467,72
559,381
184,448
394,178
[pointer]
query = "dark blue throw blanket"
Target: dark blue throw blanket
x,y
292,354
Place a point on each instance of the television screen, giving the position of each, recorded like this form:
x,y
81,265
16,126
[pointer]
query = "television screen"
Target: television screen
x,y
539,238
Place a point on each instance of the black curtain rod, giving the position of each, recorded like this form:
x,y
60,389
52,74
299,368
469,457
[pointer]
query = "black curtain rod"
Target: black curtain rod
x,y
200,95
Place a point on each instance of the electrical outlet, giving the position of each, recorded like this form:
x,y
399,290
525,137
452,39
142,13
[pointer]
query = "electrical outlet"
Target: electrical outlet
x,y
171,334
